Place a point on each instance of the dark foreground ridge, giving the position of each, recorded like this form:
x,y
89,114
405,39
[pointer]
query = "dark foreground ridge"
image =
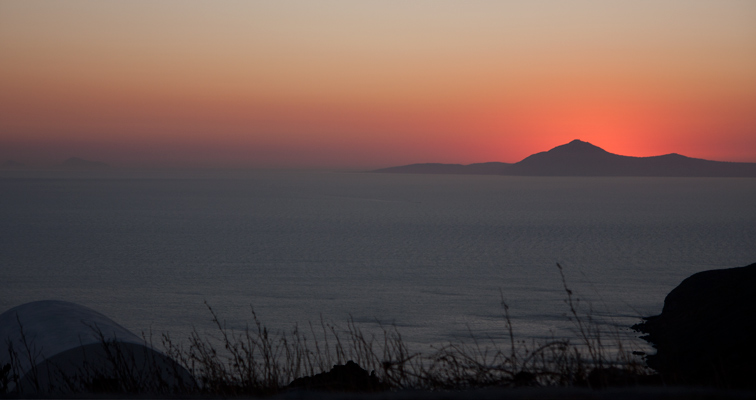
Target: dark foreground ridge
x,y
705,334
579,158
349,377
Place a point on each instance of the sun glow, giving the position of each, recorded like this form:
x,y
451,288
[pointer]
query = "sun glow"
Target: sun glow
x,y
374,84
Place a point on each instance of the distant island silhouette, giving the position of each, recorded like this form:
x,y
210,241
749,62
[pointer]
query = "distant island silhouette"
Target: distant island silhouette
x,y
76,163
12,164
579,158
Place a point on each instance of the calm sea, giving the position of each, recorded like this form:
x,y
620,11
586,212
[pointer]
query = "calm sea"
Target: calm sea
x,y
431,254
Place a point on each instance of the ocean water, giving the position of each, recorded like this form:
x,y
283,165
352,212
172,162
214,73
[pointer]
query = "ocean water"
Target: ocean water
x,y
432,255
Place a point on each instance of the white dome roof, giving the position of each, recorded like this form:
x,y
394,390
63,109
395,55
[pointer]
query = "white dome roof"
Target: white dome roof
x,y
55,341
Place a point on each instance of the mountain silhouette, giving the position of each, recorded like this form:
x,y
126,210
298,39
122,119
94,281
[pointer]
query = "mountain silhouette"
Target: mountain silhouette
x,y
579,158
76,163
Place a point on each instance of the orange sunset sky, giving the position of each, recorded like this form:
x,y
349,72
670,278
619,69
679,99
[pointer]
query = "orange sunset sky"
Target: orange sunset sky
x,y
365,84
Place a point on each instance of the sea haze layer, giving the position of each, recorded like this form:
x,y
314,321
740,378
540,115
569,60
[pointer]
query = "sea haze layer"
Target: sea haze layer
x,y
432,254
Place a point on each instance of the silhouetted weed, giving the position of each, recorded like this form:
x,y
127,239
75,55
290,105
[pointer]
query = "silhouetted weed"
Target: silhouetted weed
x,y
257,362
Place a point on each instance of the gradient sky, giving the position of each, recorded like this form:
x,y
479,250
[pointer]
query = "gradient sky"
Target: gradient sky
x,y
364,84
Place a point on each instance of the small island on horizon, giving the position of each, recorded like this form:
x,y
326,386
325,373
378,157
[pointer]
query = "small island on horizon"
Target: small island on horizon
x,y
579,158
70,164
76,163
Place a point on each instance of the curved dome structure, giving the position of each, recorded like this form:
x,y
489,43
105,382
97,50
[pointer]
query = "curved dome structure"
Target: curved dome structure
x,y
60,347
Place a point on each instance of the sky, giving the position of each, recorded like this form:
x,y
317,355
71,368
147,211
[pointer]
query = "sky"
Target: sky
x,y
367,84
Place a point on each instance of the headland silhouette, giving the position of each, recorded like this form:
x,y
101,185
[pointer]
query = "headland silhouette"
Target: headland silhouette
x,y
579,158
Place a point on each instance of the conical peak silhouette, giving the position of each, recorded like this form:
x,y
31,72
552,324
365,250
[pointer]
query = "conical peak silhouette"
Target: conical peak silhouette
x,y
578,147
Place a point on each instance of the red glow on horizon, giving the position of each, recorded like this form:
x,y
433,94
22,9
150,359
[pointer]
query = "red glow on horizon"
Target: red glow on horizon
x,y
187,133
372,84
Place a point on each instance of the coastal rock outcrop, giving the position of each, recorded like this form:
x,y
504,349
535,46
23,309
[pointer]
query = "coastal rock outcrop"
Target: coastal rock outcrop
x,y
706,333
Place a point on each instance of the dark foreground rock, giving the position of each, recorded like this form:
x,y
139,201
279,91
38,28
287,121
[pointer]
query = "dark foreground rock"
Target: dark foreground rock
x,y
706,333
341,378
534,393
